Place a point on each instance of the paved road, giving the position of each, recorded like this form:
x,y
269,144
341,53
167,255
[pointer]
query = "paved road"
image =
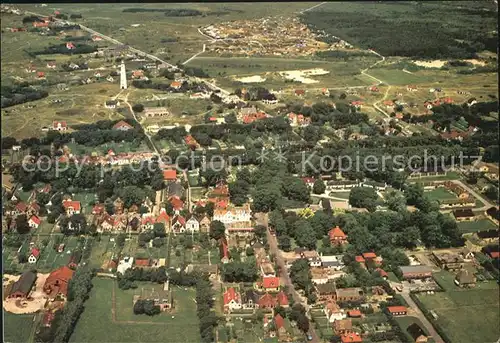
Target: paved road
x,y
478,196
422,318
262,219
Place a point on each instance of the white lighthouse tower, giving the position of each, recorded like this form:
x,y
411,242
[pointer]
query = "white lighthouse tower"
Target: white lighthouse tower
x,y
123,76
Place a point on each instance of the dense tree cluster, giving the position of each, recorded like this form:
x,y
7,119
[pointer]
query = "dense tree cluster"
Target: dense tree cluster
x,y
174,12
205,303
240,271
127,280
79,49
15,95
147,307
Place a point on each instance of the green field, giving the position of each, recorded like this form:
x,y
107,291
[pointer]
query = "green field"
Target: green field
x,y
440,193
463,311
477,225
17,327
97,320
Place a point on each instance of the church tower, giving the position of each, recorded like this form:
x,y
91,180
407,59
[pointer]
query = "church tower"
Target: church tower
x,y
123,76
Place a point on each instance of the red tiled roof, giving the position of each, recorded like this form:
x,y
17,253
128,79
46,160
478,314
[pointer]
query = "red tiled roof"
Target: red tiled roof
x,y
369,255
170,174
98,209
382,272
144,262
179,219
223,248
336,232
35,252
279,322
70,45
122,123
230,295
354,313
351,338
162,218
41,74
360,259
271,282
176,203
56,123
396,309
36,220
494,254
267,300
148,220
282,298
71,204
21,206
175,84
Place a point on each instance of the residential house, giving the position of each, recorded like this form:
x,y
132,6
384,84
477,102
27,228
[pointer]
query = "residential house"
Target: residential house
x,y
249,300
300,92
22,287
20,208
111,103
59,126
75,258
357,104
56,285
337,236
465,279
382,273
34,222
397,310
334,262
176,203
349,294
232,300
169,175
223,250
282,299
448,261
417,333
342,326
71,207
333,312
233,215
464,215
266,302
270,284
34,255
411,88
493,214
125,264
151,112
490,236
178,224
298,119
326,291
352,337
142,262
192,224
354,314
137,74
176,85
204,224
122,126
70,46
416,272
279,325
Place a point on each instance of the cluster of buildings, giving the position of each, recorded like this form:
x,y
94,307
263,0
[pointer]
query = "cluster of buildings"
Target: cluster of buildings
x,y
265,36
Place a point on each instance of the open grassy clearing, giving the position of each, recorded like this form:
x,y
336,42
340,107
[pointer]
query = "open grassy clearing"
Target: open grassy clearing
x,y
440,193
17,327
81,104
466,316
97,320
477,225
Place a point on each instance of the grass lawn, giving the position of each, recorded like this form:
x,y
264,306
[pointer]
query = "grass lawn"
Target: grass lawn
x,y
463,312
51,259
477,225
449,176
342,195
17,327
85,199
440,193
102,251
97,322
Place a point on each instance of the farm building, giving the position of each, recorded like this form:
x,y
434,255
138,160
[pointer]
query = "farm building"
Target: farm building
x,y
22,287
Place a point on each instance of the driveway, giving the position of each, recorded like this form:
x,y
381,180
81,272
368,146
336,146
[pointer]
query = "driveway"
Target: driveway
x,y
420,315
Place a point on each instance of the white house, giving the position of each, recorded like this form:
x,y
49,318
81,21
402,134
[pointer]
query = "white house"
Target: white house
x,y
125,264
192,225
333,312
233,215
232,300
71,207
332,262
33,257
34,222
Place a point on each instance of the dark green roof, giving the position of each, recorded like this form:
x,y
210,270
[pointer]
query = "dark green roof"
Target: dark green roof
x,y
24,283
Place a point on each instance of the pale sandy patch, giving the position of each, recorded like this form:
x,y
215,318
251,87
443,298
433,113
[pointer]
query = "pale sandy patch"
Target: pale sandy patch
x,y
300,75
476,62
251,79
430,64
38,301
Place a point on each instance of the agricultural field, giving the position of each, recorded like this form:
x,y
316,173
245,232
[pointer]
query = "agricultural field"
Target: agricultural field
x,y
108,313
461,312
477,225
17,327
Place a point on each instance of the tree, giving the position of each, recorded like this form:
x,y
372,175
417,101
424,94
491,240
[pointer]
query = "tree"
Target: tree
x,y
285,243
217,229
139,307
22,225
303,323
120,240
138,108
395,201
319,186
363,197
300,274
304,234
414,193
265,198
